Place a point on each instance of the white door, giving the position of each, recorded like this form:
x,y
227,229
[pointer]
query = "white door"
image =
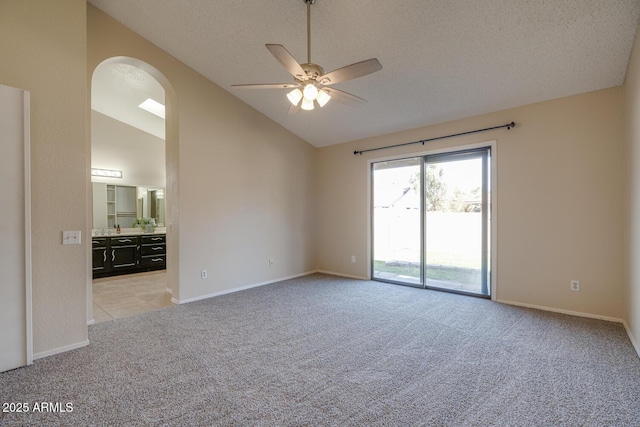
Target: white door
x,y
15,269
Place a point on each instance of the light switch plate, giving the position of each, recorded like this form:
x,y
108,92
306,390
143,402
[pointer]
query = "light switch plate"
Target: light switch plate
x,y
71,237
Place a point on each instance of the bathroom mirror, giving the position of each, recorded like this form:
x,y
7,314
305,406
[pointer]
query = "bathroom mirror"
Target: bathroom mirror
x,y
121,205
153,206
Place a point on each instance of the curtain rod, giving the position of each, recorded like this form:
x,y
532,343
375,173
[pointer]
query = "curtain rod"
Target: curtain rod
x,y
422,141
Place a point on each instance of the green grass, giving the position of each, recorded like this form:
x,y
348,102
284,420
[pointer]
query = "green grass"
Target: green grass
x,y
453,259
404,270
454,274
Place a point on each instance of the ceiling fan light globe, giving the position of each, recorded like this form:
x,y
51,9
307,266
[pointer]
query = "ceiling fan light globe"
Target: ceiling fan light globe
x,y
295,96
307,104
323,98
310,92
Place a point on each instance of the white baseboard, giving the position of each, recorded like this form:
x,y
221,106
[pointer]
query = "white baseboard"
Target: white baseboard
x,y
241,288
634,343
61,349
559,310
348,276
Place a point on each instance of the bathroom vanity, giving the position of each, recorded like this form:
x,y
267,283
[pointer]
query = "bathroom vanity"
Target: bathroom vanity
x,y
128,252
131,250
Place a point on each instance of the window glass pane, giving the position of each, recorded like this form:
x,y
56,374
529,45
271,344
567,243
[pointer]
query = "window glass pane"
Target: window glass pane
x,y
397,221
455,235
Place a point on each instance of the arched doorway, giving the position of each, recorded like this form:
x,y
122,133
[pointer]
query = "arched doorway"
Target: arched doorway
x,y
139,143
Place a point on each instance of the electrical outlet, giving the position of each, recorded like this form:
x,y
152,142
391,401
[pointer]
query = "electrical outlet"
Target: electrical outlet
x,y
353,258
203,274
270,262
575,285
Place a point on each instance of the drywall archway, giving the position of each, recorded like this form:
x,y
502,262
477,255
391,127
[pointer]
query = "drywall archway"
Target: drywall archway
x,y
171,167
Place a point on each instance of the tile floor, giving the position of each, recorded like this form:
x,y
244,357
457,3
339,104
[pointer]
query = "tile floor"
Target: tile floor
x,y
128,295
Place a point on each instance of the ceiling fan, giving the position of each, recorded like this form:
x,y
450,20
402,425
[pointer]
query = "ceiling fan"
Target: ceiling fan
x,y
312,85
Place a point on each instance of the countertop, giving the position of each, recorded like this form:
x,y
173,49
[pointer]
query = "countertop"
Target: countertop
x,y
127,232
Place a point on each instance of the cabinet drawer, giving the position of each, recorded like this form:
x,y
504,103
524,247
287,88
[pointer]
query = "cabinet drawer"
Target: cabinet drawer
x,y
99,242
124,241
151,261
150,250
154,239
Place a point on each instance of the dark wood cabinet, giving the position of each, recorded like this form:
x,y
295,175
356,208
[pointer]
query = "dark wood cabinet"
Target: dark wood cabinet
x,y
153,251
128,254
124,253
99,252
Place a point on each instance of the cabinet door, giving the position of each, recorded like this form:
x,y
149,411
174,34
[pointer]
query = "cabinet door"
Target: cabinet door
x,y
124,253
124,257
99,252
99,259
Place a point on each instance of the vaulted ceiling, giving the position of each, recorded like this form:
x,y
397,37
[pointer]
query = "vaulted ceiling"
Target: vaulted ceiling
x,y
442,59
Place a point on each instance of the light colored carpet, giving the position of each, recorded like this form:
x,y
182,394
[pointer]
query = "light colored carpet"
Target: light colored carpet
x,y
322,350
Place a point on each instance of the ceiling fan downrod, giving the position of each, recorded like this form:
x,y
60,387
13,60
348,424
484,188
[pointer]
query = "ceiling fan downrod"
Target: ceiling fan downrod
x,y
309,3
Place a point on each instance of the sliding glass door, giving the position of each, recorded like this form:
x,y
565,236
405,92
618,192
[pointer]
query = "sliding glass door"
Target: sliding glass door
x,y
397,221
456,222
431,221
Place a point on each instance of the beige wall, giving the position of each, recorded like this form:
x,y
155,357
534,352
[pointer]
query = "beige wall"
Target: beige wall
x,y
560,209
138,154
43,50
632,126
245,184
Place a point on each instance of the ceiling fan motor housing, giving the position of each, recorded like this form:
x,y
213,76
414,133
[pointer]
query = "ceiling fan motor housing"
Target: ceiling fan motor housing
x,y
313,72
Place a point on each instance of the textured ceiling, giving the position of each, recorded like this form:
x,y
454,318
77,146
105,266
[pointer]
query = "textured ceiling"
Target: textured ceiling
x,y
442,60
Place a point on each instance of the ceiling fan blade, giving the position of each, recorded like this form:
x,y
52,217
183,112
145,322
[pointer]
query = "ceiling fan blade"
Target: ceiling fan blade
x,y
287,60
267,86
344,97
349,72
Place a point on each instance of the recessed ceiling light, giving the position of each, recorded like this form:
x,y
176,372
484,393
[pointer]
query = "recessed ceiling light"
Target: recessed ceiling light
x,y
154,107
